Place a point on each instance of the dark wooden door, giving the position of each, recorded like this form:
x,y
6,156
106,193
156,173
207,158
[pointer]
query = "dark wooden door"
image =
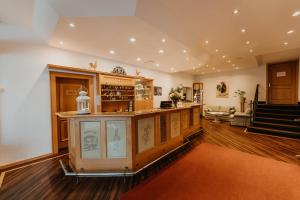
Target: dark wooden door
x,y
67,91
283,83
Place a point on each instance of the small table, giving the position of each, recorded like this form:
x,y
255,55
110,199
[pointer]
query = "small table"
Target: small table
x,y
240,119
218,116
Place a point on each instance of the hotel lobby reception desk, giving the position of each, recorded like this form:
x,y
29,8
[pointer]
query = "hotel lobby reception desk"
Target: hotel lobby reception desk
x,y
118,142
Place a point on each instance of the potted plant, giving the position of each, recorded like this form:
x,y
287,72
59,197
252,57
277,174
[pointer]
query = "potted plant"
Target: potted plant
x,y
176,95
241,95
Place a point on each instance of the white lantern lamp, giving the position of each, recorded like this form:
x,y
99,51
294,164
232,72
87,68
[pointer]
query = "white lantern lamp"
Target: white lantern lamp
x,y
83,103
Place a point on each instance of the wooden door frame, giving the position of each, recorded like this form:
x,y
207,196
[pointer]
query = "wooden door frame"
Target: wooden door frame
x,y
268,75
53,77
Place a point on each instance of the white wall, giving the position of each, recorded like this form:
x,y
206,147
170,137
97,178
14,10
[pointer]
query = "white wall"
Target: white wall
x,y
25,129
240,79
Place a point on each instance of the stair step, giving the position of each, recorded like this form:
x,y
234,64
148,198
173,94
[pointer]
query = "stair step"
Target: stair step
x,y
277,121
277,126
269,131
279,106
278,116
278,111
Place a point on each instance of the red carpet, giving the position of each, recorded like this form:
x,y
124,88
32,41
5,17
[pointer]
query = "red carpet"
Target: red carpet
x,y
212,172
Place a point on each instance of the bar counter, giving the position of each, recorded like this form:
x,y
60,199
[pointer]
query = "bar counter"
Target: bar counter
x,y
127,141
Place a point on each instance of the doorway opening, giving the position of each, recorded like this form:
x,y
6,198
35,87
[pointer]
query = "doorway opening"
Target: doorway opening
x,y
282,82
64,90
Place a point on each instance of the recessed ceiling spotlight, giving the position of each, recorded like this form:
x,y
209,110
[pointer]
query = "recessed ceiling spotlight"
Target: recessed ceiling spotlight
x,y
138,59
183,51
217,50
237,68
243,30
199,64
247,42
229,61
235,11
61,42
132,39
206,41
161,51
296,13
251,50
72,25
172,68
175,71
290,32
223,56
112,52
157,65
285,43
207,65
213,68
233,65
163,40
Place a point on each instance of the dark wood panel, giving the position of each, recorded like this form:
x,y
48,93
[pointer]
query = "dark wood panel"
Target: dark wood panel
x,y
45,180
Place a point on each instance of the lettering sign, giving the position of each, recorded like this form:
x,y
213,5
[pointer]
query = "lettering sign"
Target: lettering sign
x,y
281,74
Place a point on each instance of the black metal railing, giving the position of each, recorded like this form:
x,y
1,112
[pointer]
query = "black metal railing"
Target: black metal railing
x,y
253,105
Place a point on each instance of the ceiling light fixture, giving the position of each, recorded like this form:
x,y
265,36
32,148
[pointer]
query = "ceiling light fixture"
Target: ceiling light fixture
x,y
157,65
243,30
183,51
206,65
187,58
251,50
132,39
206,41
223,56
217,50
237,68
194,68
235,11
112,52
213,68
172,68
296,13
72,25
290,32
233,65
163,40
138,59
219,70
247,42
229,61
286,43
61,42
161,51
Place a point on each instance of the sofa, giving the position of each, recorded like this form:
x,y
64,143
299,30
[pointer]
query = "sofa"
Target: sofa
x,y
210,111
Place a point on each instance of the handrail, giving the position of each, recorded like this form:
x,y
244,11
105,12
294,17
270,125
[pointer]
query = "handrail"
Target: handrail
x,y
253,105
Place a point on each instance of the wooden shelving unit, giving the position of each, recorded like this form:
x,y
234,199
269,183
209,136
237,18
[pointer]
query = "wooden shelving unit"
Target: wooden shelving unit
x,y
143,94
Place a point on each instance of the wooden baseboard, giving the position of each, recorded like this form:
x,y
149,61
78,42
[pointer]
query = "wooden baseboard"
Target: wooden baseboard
x,y
21,163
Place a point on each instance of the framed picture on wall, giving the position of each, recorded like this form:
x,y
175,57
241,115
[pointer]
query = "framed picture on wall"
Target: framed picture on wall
x,y
222,90
157,91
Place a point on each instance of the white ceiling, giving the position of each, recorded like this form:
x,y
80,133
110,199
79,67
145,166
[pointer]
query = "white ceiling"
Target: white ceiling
x,y
104,25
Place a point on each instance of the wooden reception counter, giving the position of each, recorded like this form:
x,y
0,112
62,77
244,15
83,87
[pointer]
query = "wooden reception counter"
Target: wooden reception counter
x,y
115,142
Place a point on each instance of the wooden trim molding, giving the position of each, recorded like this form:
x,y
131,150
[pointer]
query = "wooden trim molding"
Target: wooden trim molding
x,y
75,69
25,162
2,174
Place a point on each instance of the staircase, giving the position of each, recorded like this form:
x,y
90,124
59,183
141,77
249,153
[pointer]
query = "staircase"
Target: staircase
x,y
279,120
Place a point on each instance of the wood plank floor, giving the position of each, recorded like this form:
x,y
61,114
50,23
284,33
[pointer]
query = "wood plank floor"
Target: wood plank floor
x,y
46,181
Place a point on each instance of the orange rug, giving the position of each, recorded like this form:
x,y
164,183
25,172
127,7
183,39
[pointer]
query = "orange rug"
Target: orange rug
x,y
212,172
